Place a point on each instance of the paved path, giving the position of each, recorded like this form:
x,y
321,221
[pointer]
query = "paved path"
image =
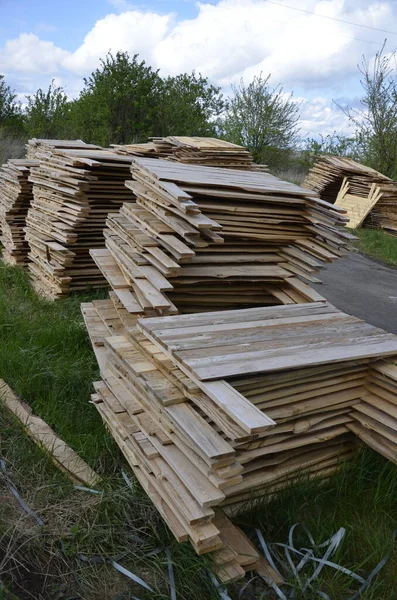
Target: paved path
x,y
362,287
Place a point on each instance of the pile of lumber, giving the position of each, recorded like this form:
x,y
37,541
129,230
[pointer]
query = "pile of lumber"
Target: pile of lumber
x,y
383,215
377,210
214,409
375,418
210,152
369,198
15,199
75,186
205,238
328,172
36,146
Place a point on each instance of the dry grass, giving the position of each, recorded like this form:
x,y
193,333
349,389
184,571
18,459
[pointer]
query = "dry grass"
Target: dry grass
x,y
293,174
70,556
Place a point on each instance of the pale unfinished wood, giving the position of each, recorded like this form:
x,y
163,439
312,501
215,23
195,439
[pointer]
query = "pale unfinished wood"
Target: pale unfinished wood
x,y
62,455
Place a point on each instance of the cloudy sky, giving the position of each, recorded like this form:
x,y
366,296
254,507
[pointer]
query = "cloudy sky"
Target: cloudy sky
x,y
311,47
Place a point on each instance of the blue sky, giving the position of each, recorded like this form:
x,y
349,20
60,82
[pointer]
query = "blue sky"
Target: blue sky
x,y
311,47
68,21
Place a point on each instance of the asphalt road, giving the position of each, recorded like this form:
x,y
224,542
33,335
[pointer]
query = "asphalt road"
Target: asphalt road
x,y
362,287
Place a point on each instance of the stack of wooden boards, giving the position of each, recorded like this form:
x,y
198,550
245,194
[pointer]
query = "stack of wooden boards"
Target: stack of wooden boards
x,y
370,198
377,210
375,418
15,199
75,186
200,238
328,172
210,152
214,409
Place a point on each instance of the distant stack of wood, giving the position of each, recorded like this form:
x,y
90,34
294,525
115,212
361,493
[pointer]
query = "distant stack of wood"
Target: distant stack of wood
x,y
210,152
204,238
369,197
36,146
328,172
383,215
15,199
75,186
214,409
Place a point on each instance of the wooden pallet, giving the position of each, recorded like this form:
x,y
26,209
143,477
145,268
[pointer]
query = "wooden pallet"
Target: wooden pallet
x,y
357,207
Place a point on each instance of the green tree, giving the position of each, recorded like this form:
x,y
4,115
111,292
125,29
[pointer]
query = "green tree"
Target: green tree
x,y
376,120
118,103
335,144
47,114
263,120
188,105
11,121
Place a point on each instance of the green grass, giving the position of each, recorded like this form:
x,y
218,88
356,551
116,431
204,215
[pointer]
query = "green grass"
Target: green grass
x,y
47,359
45,356
362,497
108,525
377,244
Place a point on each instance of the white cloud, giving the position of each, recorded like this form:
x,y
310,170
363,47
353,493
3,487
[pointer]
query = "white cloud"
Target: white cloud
x,y
241,38
29,54
225,41
321,115
135,31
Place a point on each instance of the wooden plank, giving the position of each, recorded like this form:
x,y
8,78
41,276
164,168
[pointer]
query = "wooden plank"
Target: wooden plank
x,y
321,354
63,456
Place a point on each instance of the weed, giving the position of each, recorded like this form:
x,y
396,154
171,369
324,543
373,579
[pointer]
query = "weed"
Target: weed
x,y
377,244
362,497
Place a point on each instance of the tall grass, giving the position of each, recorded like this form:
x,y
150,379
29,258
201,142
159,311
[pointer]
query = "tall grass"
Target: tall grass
x,y
46,357
294,174
83,533
11,146
362,497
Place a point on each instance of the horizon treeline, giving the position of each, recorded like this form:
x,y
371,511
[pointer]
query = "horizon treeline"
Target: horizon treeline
x,y
126,101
